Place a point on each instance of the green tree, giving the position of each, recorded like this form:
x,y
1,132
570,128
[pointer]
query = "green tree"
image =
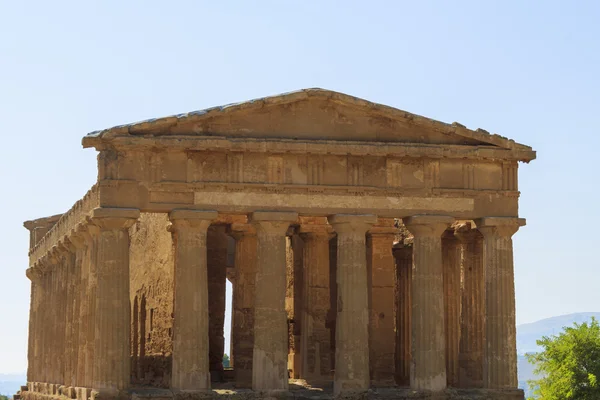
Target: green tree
x,y
569,364
225,361
3,397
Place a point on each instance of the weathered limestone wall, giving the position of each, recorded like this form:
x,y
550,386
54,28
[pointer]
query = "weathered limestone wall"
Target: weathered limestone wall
x,y
152,271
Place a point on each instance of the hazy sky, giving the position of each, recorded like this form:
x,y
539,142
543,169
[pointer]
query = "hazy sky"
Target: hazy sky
x,y
525,69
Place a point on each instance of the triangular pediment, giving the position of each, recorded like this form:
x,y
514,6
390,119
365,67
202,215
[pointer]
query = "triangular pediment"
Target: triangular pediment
x,y
311,114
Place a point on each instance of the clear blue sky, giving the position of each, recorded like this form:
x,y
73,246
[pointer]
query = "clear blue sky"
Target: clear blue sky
x,y
528,70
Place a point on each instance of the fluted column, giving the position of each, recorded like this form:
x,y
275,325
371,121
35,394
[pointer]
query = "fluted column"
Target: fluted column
x,y
87,233
382,326
190,369
54,347
67,257
404,264
500,351
428,369
113,313
242,338
452,303
33,352
473,308
315,346
352,324
43,319
269,368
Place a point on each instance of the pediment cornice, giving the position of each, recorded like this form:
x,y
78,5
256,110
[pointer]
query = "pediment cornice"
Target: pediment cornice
x,y
311,115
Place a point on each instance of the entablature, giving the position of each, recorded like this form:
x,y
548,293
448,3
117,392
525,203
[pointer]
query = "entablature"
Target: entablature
x,y
175,143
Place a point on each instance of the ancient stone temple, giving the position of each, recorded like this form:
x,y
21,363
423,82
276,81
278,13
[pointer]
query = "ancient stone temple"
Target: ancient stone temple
x,y
369,250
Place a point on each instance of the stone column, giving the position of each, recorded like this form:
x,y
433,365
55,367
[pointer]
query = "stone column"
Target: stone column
x,y
382,326
500,352
216,243
79,294
112,347
34,275
428,368
452,303
315,346
43,320
242,338
69,363
56,325
352,324
269,367
332,317
404,264
190,369
87,233
473,308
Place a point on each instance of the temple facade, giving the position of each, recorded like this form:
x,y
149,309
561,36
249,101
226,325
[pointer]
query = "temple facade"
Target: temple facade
x,y
369,251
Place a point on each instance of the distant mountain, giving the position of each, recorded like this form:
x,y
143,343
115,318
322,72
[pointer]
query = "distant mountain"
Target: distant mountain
x,y
11,383
528,334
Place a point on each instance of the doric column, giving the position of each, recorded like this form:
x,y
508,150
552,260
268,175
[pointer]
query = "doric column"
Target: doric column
x,y
216,243
84,237
452,302
78,241
352,324
43,318
56,326
269,368
428,370
381,275
500,354
242,338
33,352
332,317
473,308
67,270
404,264
190,369
112,340
315,346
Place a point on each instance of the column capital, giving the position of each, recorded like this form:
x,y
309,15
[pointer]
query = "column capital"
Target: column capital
x,y
34,274
499,226
191,219
356,223
114,218
383,227
427,225
309,231
53,256
79,236
466,233
45,263
273,222
65,246
237,231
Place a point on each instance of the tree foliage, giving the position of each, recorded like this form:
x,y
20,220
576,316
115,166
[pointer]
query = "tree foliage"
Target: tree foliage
x,y
569,364
225,361
3,397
